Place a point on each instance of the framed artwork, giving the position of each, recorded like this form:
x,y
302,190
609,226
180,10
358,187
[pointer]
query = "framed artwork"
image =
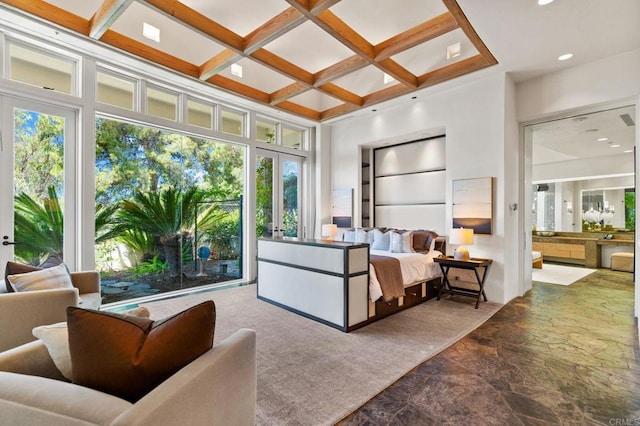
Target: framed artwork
x,y
342,208
473,204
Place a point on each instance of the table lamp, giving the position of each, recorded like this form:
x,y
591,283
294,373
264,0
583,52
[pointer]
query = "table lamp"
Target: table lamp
x,y
329,230
461,236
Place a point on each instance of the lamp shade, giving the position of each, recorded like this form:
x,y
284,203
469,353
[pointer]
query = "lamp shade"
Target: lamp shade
x,y
461,236
329,230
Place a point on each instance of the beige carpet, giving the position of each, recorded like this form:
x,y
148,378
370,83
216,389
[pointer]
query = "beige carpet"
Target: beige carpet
x,y
312,374
560,274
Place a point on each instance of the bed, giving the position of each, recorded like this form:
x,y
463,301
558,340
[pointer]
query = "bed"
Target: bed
x,y
333,282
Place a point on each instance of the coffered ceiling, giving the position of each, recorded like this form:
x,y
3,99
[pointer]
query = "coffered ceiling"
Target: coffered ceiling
x,y
318,59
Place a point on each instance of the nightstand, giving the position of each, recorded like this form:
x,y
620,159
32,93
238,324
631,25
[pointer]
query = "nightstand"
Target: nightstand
x,y
479,266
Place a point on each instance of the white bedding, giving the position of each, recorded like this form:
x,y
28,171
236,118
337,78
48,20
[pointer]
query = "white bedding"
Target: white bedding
x,y
413,266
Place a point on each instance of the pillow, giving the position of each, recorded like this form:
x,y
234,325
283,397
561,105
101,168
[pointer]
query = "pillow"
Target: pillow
x,y
13,268
381,240
400,242
423,240
51,260
128,356
364,236
349,236
43,279
56,338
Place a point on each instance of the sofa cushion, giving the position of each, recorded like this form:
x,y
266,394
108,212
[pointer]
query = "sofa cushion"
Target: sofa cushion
x,y
43,279
13,268
56,338
129,356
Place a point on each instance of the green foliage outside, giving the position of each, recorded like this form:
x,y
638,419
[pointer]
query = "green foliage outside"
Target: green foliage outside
x,y
630,210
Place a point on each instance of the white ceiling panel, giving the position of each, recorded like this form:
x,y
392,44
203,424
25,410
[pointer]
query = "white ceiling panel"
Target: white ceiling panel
x,y
258,76
364,81
84,8
175,38
315,100
379,20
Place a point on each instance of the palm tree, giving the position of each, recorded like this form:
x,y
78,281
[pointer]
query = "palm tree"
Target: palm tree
x,y
167,215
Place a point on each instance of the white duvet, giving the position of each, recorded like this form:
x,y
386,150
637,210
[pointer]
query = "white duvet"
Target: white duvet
x,y
413,266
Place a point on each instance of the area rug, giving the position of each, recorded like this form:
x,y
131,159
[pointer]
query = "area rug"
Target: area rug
x,y
312,374
560,274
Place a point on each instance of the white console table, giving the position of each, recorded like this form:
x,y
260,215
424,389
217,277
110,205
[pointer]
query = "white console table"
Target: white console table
x,y
327,281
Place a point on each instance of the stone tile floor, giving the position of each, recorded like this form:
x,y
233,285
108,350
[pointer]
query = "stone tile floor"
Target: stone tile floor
x,y
561,355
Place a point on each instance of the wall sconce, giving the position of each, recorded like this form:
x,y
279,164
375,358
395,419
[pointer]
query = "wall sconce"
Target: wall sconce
x,y
329,231
569,207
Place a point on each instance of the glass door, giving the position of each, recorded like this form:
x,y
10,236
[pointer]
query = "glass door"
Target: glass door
x,y
37,184
278,178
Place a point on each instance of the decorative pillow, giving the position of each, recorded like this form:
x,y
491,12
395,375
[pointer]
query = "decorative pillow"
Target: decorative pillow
x,y
43,279
400,242
349,236
423,240
56,338
381,240
14,268
128,356
51,261
364,236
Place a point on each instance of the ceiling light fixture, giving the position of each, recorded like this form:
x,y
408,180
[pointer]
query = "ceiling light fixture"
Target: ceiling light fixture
x,y
453,51
151,32
544,2
236,70
565,56
628,151
603,139
615,145
388,79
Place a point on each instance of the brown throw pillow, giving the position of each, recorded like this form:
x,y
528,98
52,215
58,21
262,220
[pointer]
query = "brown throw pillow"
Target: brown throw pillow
x,y
422,240
128,356
14,268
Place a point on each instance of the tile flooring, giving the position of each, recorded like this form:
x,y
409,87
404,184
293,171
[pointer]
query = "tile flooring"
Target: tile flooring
x,y
560,355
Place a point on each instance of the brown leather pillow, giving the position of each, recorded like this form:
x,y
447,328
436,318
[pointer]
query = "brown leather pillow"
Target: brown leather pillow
x,y
422,240
128,356
14,268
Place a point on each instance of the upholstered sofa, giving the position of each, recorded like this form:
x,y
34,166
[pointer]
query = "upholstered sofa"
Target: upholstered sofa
x,y
218,388
21,312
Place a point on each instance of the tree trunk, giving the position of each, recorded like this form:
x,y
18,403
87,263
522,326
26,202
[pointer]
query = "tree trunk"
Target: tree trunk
x,y
173,254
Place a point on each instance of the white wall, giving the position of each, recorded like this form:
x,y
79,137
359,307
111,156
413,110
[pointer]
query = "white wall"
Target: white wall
x,y
473,118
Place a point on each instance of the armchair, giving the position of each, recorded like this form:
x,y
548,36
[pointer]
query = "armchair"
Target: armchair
x,y
21,312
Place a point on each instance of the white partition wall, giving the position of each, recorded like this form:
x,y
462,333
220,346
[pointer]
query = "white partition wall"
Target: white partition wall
x,y
322,280
409,185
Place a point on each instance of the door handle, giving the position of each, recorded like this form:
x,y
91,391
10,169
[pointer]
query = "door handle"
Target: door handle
x,y
7,243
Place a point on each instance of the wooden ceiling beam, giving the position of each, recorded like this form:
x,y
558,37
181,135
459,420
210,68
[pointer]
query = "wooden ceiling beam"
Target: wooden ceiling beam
x,y
209,28
396,71
457,69
299,110
468,30
386,94
341,94
317,6
337,111
238,88
336,28
282,66
272,29
149,53
339,69
288,92
52,13
218,63
106,15
419,34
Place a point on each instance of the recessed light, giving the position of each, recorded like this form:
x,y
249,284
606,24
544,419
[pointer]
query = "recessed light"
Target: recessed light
x,y
603,139
591,130
565,56
615,145
544,2
374,110
453,51
628,150
151,32
414,97
388,79
236,70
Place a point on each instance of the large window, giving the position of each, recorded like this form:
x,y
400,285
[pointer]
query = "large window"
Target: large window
x,y
168,210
